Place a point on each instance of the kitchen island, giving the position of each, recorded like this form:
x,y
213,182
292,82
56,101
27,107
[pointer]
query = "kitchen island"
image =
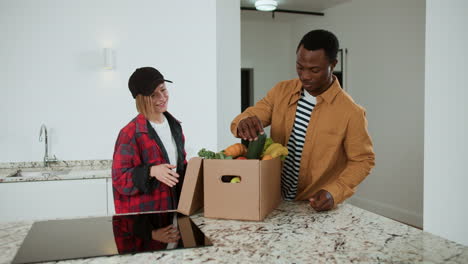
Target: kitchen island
x,y
293,233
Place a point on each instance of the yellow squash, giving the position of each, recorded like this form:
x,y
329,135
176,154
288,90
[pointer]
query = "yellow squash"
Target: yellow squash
x,y
276,150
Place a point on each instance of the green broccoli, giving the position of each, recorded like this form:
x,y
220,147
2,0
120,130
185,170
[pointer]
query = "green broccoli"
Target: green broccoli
x,y
207,154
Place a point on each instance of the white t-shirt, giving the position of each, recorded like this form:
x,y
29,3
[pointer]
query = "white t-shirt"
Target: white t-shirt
x,y
164,133
309,98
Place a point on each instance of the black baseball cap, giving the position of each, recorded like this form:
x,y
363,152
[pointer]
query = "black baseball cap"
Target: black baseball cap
x,y
144,80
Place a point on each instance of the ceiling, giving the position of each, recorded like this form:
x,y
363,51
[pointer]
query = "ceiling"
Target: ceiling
x,y
300,5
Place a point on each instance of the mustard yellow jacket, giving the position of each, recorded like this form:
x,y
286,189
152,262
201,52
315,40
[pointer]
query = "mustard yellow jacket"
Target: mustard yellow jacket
x,y
337,153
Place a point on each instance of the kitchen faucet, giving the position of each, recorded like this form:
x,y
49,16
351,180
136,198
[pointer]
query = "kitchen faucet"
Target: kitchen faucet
x,y
47,160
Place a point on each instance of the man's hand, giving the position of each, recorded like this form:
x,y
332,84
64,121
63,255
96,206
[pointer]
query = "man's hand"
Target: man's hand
x,y
322,201
249,128
165,174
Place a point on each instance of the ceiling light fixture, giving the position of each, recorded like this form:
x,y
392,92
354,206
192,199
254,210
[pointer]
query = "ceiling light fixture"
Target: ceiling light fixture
x,y
266,5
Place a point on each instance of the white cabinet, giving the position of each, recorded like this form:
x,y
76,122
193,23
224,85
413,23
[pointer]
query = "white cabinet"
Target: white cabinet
x,y
110,198
53,199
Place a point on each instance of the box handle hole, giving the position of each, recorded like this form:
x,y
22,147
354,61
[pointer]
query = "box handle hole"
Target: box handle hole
x,y
231,179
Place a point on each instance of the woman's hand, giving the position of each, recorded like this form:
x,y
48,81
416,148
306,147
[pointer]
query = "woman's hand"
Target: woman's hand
x,y
165,174
168,234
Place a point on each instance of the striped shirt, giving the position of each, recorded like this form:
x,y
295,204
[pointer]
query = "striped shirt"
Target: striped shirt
x,y
296,141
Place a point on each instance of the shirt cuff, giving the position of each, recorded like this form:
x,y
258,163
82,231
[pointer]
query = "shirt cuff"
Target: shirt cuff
x,y
142,180
336,192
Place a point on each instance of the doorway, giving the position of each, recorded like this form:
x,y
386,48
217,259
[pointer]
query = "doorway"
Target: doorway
x,y
246,88
246,92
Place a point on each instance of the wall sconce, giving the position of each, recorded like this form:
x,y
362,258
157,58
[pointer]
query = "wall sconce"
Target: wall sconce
x,y
266,5
109,59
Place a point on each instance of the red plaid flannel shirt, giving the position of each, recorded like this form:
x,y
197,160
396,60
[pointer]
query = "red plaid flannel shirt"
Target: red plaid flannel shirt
x,y
135,148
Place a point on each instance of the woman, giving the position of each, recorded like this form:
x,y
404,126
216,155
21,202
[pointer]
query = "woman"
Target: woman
x,y
149,156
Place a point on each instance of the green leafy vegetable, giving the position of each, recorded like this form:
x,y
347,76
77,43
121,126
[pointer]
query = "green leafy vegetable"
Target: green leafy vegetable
x,y
207,154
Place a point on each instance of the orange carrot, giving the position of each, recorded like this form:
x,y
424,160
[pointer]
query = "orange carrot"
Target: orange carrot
x,y
236,150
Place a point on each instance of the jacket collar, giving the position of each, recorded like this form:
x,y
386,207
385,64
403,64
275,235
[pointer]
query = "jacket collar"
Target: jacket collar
x,y
328,96
142,125
296,93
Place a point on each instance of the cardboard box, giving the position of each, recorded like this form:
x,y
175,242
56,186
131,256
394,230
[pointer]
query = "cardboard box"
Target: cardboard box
x,y
257,195
191,197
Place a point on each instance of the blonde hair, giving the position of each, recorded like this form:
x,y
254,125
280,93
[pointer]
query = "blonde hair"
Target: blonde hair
x,y
144,105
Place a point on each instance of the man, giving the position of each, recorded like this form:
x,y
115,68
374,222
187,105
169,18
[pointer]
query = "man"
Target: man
x,y
330,150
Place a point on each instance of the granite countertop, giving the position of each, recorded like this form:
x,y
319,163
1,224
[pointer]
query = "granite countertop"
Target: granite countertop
x,y
293,233
62,170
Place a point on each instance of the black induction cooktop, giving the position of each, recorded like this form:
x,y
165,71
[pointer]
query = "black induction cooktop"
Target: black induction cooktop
x,y
106,236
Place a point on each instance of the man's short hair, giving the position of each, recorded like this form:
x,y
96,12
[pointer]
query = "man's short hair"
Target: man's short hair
x,y
321,39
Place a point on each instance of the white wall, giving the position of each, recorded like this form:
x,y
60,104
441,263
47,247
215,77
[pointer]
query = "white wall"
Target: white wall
x,y
268,49
51,72
446,128
228,68
385,40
